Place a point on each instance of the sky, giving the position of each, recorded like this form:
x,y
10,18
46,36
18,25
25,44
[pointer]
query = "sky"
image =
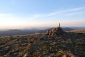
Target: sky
x,y
41,13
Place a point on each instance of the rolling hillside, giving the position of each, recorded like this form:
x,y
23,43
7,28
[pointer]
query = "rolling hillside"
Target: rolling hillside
x,y
77,31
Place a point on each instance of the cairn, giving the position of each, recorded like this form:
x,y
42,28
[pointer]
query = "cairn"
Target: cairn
x,y
55,31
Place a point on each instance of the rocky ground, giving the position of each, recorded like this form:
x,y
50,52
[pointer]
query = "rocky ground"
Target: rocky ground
x,y
54,43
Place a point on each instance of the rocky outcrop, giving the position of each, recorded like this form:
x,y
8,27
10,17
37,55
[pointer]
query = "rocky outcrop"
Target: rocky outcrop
x,y
56,31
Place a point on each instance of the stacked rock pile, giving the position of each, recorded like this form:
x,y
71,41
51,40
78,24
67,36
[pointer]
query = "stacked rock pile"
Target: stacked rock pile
x,y
56,31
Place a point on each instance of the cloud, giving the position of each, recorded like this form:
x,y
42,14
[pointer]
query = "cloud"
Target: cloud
x,y
66,11
74,9
73,13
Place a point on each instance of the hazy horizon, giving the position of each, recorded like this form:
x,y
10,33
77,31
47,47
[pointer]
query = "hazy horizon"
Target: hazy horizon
x,y
16,14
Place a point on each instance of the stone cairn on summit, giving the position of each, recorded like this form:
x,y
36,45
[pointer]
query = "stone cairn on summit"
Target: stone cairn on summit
x,y
55,31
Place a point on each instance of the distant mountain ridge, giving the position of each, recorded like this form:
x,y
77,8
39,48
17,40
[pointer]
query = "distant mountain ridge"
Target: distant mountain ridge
x,y
17,32
29,31
64,29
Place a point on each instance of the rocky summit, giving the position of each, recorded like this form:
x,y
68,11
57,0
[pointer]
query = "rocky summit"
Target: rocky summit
x,y
55,31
